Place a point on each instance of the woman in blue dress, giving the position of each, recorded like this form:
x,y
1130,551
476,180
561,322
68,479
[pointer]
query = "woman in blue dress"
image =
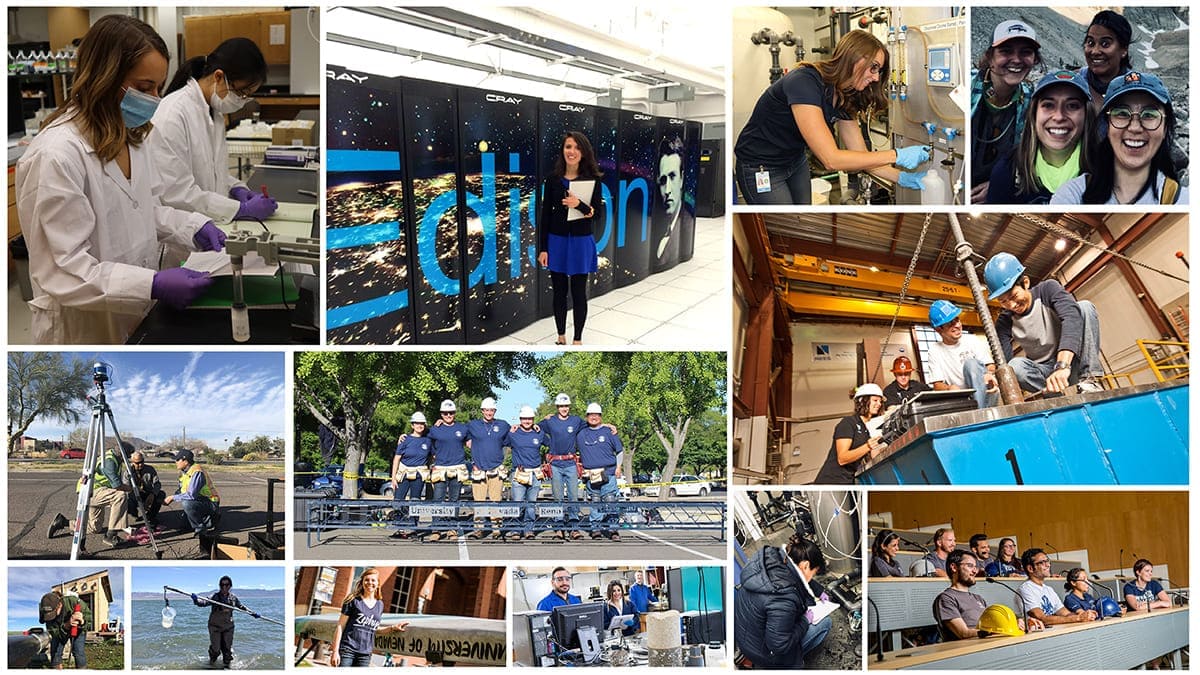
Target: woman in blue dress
x,y
565,243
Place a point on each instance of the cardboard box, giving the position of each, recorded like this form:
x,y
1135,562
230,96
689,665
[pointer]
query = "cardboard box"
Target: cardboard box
x,y
294,132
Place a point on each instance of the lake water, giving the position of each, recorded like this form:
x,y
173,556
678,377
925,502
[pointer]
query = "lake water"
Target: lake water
x,y
257,644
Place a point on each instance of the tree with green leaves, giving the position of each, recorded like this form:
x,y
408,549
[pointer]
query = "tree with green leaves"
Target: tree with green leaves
x,y
357,386
44,385
649,396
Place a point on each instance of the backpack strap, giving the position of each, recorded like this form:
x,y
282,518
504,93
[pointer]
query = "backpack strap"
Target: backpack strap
x,y
1170,191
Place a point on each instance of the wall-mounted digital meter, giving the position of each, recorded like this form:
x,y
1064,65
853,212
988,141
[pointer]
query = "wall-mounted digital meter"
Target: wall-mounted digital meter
x,y
941,65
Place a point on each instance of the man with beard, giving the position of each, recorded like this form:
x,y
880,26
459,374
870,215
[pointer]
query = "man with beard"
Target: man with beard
x,y
560,591
957,609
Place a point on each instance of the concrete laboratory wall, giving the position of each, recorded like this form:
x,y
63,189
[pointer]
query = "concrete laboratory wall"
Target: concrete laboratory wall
x,y
821,389
1122,319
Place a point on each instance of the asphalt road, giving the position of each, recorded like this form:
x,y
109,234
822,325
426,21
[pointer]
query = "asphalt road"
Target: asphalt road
x,y
374,542
34,497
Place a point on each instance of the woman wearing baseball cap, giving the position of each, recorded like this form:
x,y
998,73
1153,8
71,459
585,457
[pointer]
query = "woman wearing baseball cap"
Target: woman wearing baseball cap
x,y
1053,149
1000,95
1132,161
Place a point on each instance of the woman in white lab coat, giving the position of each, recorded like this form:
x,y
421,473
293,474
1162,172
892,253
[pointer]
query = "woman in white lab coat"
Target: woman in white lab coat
x,y
88,201
188,144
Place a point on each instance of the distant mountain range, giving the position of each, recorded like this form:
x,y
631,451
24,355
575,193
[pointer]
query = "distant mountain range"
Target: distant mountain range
x,y
241,593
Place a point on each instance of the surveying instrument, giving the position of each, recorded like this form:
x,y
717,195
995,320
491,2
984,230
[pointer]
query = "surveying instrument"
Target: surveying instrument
x,y
102,373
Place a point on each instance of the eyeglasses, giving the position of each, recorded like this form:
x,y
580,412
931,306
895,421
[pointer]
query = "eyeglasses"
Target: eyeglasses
x,y
136,463
223,584
1149,118
876,67
1039,563
562,578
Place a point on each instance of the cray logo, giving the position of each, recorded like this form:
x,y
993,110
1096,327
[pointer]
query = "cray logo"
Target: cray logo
x,y
570,108
677,121
345,77
639,116
497,98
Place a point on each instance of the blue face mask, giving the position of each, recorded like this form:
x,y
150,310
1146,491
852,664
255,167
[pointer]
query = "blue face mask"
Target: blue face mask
x,y
137,108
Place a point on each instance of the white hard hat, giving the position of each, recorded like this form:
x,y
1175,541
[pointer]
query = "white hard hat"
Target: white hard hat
x,y
418,417
868,389
526,412
562,399
488,403
448,406
594,408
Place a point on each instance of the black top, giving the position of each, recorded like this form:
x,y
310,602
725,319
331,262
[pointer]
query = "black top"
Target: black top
x,y
994,134
831,472
894,395
880,567
553,218
771,137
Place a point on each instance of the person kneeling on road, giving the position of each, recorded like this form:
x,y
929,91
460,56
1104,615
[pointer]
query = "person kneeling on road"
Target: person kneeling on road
x,y
197,495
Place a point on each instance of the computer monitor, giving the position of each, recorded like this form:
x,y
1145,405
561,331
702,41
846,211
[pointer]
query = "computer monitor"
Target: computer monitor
x,y
568,621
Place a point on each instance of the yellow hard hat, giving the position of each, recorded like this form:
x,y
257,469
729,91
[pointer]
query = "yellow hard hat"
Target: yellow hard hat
x,y
1000,620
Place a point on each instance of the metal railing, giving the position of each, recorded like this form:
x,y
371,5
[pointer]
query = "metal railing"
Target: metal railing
x,y
1167,359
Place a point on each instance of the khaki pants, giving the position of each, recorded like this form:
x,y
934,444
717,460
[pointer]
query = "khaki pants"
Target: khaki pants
x,y
487,490
114,501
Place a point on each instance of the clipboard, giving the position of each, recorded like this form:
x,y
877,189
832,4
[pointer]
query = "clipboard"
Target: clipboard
x,y
582,189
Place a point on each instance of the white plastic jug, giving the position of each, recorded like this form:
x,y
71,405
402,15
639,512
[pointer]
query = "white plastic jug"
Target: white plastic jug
x,y
168,616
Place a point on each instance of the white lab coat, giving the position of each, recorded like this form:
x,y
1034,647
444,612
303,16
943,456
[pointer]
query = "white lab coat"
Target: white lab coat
x,y
93,237
189,150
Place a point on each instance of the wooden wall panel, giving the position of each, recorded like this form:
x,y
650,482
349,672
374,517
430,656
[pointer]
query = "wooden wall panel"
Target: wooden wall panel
x,y
1152,524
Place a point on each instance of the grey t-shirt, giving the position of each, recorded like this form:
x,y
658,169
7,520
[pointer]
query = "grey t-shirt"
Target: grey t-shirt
x,y
1071,192
955,604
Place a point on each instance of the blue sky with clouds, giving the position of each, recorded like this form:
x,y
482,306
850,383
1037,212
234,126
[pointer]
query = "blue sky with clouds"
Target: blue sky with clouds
x,y
27,585
217,396
198,579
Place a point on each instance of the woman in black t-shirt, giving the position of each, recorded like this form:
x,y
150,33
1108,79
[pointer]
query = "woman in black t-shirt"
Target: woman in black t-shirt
x,y
362,617
796,114
851,440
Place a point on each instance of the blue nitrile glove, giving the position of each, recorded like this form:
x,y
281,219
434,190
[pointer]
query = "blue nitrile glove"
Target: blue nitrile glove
x,y
912,156
241,193
209,238
194,597
912,180
179,286
629,623
255,615
257,206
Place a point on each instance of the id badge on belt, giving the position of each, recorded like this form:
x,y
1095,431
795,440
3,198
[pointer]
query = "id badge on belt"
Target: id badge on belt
x,y
762,180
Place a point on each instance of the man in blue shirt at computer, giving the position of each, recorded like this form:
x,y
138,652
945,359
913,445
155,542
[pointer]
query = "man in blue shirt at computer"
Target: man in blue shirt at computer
x,y
560,585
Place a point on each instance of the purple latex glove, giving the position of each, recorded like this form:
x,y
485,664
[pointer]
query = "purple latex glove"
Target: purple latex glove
x,y
810,616
179,286
240,193
257,206
209,238
825,597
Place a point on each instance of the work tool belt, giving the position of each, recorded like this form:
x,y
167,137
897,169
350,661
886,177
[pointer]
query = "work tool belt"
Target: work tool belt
x,y
482,475
596,477
441,473
412,472
523,476
556,458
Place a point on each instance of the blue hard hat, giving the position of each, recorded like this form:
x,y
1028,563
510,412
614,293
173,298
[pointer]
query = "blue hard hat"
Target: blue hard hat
x,y
1109,607
1000,273
942,312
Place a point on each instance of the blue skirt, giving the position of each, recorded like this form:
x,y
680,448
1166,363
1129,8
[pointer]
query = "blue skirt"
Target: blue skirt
x,y
571,255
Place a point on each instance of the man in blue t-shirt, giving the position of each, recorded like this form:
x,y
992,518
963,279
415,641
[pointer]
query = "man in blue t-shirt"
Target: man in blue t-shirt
x,y
487,438
449,458
564,473
640,594
526,444
560,585
600,453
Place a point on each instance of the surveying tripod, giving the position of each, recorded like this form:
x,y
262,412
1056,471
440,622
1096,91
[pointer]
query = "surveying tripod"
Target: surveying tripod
x,y
95,455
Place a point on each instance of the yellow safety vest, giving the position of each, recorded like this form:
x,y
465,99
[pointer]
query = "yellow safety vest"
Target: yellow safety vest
x,y
209,491
98,477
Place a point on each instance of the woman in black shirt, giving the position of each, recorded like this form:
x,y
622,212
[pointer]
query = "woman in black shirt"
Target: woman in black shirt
x,y
883,555
851,440
565,243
